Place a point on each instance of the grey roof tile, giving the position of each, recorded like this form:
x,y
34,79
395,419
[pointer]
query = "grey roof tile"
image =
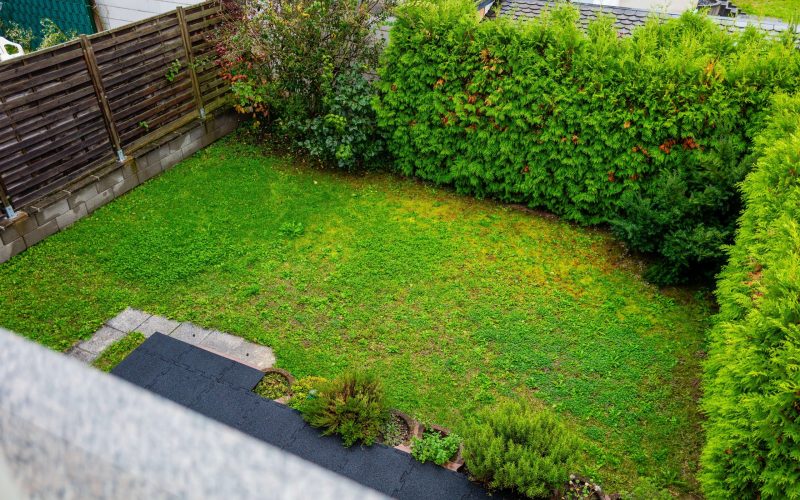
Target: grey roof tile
x,y
627,18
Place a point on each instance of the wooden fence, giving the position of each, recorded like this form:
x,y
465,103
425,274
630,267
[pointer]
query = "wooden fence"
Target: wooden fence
x,y
72,110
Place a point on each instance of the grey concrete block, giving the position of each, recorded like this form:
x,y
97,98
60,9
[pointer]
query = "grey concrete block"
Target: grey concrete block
x,y
11,249
128,170
99,200
83,194
9,234
196,133
128,320
126,185
52,211
40,233
164,151
157,324
81,355
110,180
148,173
152,158
189,333
172,159
238,349
69,218
101,339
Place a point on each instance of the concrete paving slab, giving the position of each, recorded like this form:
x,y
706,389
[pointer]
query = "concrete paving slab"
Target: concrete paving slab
x,y
81,355
158,324
101,339
238,349
128,320
189,333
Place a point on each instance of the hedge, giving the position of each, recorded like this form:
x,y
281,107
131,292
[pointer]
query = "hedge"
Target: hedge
x,y
752,376
649,133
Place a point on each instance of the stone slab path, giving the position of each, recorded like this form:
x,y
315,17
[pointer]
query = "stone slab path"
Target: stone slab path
x,y
221,389
133,320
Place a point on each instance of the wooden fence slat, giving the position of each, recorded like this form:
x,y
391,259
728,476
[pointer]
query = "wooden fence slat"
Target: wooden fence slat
x,y
187,47
73,110
94,72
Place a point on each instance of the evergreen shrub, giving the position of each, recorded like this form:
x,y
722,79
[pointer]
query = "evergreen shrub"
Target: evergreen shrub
x,y
752,375
518,447
649,133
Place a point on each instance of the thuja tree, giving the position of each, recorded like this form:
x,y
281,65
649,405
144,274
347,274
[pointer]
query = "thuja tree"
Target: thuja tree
x,y
300,66
649,133
752,379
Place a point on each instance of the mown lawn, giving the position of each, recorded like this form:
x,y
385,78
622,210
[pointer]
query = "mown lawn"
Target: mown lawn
x,y
456,302
787,10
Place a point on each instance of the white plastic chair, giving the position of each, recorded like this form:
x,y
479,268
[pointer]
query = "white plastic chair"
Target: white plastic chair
x,y
5,55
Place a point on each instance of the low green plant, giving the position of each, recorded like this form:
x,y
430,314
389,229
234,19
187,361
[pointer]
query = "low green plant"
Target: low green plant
x,y
305,389
519,447
272,386
173,70
119,350
17,34
434,447
647,489
351,405
291,229
392,433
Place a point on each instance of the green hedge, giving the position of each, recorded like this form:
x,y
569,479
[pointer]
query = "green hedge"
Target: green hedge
x,y
649,133
752,380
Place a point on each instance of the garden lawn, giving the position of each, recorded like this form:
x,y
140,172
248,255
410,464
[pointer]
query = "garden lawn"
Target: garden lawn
x,y
455,301
787,10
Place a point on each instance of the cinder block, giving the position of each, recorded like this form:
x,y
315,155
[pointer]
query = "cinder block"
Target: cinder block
x,y
26,225
126,185
110,180
9,234
82,195
69,218
128,170
149,172
99,200
164,151
52,211
40,233
11,249
196,133
172,159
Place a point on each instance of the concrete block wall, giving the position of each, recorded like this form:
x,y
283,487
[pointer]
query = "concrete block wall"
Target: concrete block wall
x,y
60,211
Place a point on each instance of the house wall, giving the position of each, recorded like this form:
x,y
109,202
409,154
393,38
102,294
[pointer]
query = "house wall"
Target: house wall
x,y
115,13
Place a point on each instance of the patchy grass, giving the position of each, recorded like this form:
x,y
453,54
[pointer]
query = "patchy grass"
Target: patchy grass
x,y
787,10
272,386
118,351
457,302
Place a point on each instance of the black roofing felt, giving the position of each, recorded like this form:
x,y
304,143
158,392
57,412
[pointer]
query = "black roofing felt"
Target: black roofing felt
x,y
220,388
627,18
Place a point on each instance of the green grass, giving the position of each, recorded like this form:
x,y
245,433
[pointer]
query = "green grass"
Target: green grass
x,y
457,302
788,10
118,351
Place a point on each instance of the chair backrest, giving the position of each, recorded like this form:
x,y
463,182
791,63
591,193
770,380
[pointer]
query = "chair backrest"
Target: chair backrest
x,y
5,53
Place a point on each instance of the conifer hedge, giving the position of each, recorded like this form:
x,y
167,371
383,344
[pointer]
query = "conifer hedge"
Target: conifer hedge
x,y
752,379
649,133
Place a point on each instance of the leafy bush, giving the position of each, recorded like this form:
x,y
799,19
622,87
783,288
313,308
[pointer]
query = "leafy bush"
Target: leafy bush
x,y
351,405
435,447
298,66
519,447
649,133
752,377
305,389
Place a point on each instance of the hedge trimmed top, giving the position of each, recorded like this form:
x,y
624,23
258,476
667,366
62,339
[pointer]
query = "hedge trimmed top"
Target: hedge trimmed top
x,y
649,133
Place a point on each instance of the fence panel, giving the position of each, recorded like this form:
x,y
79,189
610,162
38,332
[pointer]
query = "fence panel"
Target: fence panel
x,y
66,111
